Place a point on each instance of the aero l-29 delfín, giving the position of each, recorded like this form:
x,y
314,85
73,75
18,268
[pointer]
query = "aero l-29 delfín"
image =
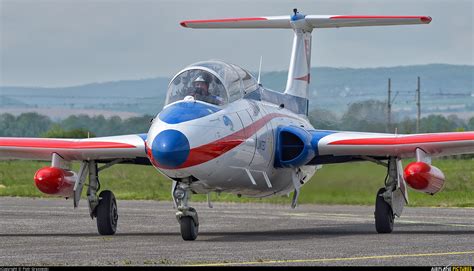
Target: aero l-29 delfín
x,y
222,131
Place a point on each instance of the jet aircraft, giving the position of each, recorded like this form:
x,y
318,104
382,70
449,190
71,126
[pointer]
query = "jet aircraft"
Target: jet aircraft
x,y
221,131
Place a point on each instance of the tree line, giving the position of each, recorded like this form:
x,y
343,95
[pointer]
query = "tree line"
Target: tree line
x,y
80,126
371,116
366,116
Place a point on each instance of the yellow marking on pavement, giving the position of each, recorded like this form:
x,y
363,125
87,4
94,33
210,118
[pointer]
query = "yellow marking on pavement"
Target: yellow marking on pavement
x,y
434,223
448,207
338,259
371,216
364,218
440,217
324,214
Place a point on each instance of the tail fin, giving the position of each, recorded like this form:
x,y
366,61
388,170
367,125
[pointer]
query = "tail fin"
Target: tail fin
x,y
300,63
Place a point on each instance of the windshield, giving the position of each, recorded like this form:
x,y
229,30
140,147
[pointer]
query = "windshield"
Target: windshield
x,y
236,80
200,84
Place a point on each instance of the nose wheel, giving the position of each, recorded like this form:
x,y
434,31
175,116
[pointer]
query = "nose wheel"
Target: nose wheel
x,y
186,216
189,229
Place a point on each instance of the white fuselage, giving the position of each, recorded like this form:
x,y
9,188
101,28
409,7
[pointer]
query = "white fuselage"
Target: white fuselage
x,y
233,150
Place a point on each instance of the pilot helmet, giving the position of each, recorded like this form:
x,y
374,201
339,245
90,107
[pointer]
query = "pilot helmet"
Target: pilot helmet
x,y
202,78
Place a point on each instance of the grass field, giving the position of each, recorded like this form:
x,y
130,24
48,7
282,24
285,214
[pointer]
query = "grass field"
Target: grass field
x,y
353,183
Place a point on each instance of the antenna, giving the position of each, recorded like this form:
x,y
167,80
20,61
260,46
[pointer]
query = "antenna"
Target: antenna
x,y
260,70
418,105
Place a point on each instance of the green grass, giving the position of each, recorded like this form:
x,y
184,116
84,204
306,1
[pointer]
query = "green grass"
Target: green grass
x,y
352,183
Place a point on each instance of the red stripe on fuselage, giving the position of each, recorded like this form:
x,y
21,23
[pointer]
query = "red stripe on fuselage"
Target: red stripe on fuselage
x,y
60,144
217,148
404,140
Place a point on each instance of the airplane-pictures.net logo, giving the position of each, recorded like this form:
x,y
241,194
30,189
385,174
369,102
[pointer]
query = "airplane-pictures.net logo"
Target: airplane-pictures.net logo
x,y
451,268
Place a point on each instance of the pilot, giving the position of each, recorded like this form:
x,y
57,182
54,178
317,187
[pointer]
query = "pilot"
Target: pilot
x,y
201,90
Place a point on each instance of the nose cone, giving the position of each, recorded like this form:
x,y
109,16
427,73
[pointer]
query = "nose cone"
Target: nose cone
x,y
170,148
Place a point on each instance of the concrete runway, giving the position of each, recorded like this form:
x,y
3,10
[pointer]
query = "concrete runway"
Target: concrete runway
x,y
51,232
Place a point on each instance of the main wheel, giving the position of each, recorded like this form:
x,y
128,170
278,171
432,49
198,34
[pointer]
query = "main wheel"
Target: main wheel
x,y
107,214
383,214
189,230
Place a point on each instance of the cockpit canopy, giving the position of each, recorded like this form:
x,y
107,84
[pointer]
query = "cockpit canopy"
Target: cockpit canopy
x,y
214,82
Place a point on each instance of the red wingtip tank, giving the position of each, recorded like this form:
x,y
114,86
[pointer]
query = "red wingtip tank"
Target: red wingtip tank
x,y
55,181
424,177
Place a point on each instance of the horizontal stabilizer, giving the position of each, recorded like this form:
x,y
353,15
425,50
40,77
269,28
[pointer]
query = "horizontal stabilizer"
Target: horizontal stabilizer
x,y
363,20
255,22
300,64
313,21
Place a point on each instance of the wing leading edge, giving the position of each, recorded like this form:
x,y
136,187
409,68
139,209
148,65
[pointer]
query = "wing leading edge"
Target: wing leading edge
x,y
384,145
100,148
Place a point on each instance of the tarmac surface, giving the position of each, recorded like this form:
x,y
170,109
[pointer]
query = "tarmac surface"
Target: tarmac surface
x,y
51,232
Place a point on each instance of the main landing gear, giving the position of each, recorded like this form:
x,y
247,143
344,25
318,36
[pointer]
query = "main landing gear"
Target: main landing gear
x,y
103,206
106,213
390,199
384,216
186,216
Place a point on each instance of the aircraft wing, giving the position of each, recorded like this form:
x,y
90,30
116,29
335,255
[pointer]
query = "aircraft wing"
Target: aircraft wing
x,y
128,147
350,144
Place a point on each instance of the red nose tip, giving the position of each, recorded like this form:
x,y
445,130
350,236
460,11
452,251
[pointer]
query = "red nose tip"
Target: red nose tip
x,y
49,180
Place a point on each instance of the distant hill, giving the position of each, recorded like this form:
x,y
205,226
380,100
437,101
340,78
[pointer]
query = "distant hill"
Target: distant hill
x,y
128,88
145,96
446,88
6,101
333,81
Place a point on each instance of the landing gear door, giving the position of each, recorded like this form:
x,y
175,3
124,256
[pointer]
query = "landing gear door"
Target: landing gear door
x,y
401,181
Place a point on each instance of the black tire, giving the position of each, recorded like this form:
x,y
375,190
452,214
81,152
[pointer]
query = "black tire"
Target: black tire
x,y
383,214
189,230
107,214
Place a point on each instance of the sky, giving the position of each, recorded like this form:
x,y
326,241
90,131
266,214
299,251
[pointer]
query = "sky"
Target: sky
x,y
52,43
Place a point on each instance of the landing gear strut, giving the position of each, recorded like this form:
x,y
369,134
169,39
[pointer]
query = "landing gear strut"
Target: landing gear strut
x,y
186,216
390,199
103,206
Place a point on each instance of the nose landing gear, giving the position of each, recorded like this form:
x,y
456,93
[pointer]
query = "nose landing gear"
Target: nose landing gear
x,y
186,216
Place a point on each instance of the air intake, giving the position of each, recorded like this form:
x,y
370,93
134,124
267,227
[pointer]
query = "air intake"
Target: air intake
x,y
293,147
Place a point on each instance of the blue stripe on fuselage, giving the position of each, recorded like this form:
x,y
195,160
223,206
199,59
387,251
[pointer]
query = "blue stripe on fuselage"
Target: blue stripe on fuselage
x,y
186,111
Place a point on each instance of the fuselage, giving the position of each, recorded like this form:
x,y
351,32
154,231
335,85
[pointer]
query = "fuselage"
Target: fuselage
x,y
228,149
